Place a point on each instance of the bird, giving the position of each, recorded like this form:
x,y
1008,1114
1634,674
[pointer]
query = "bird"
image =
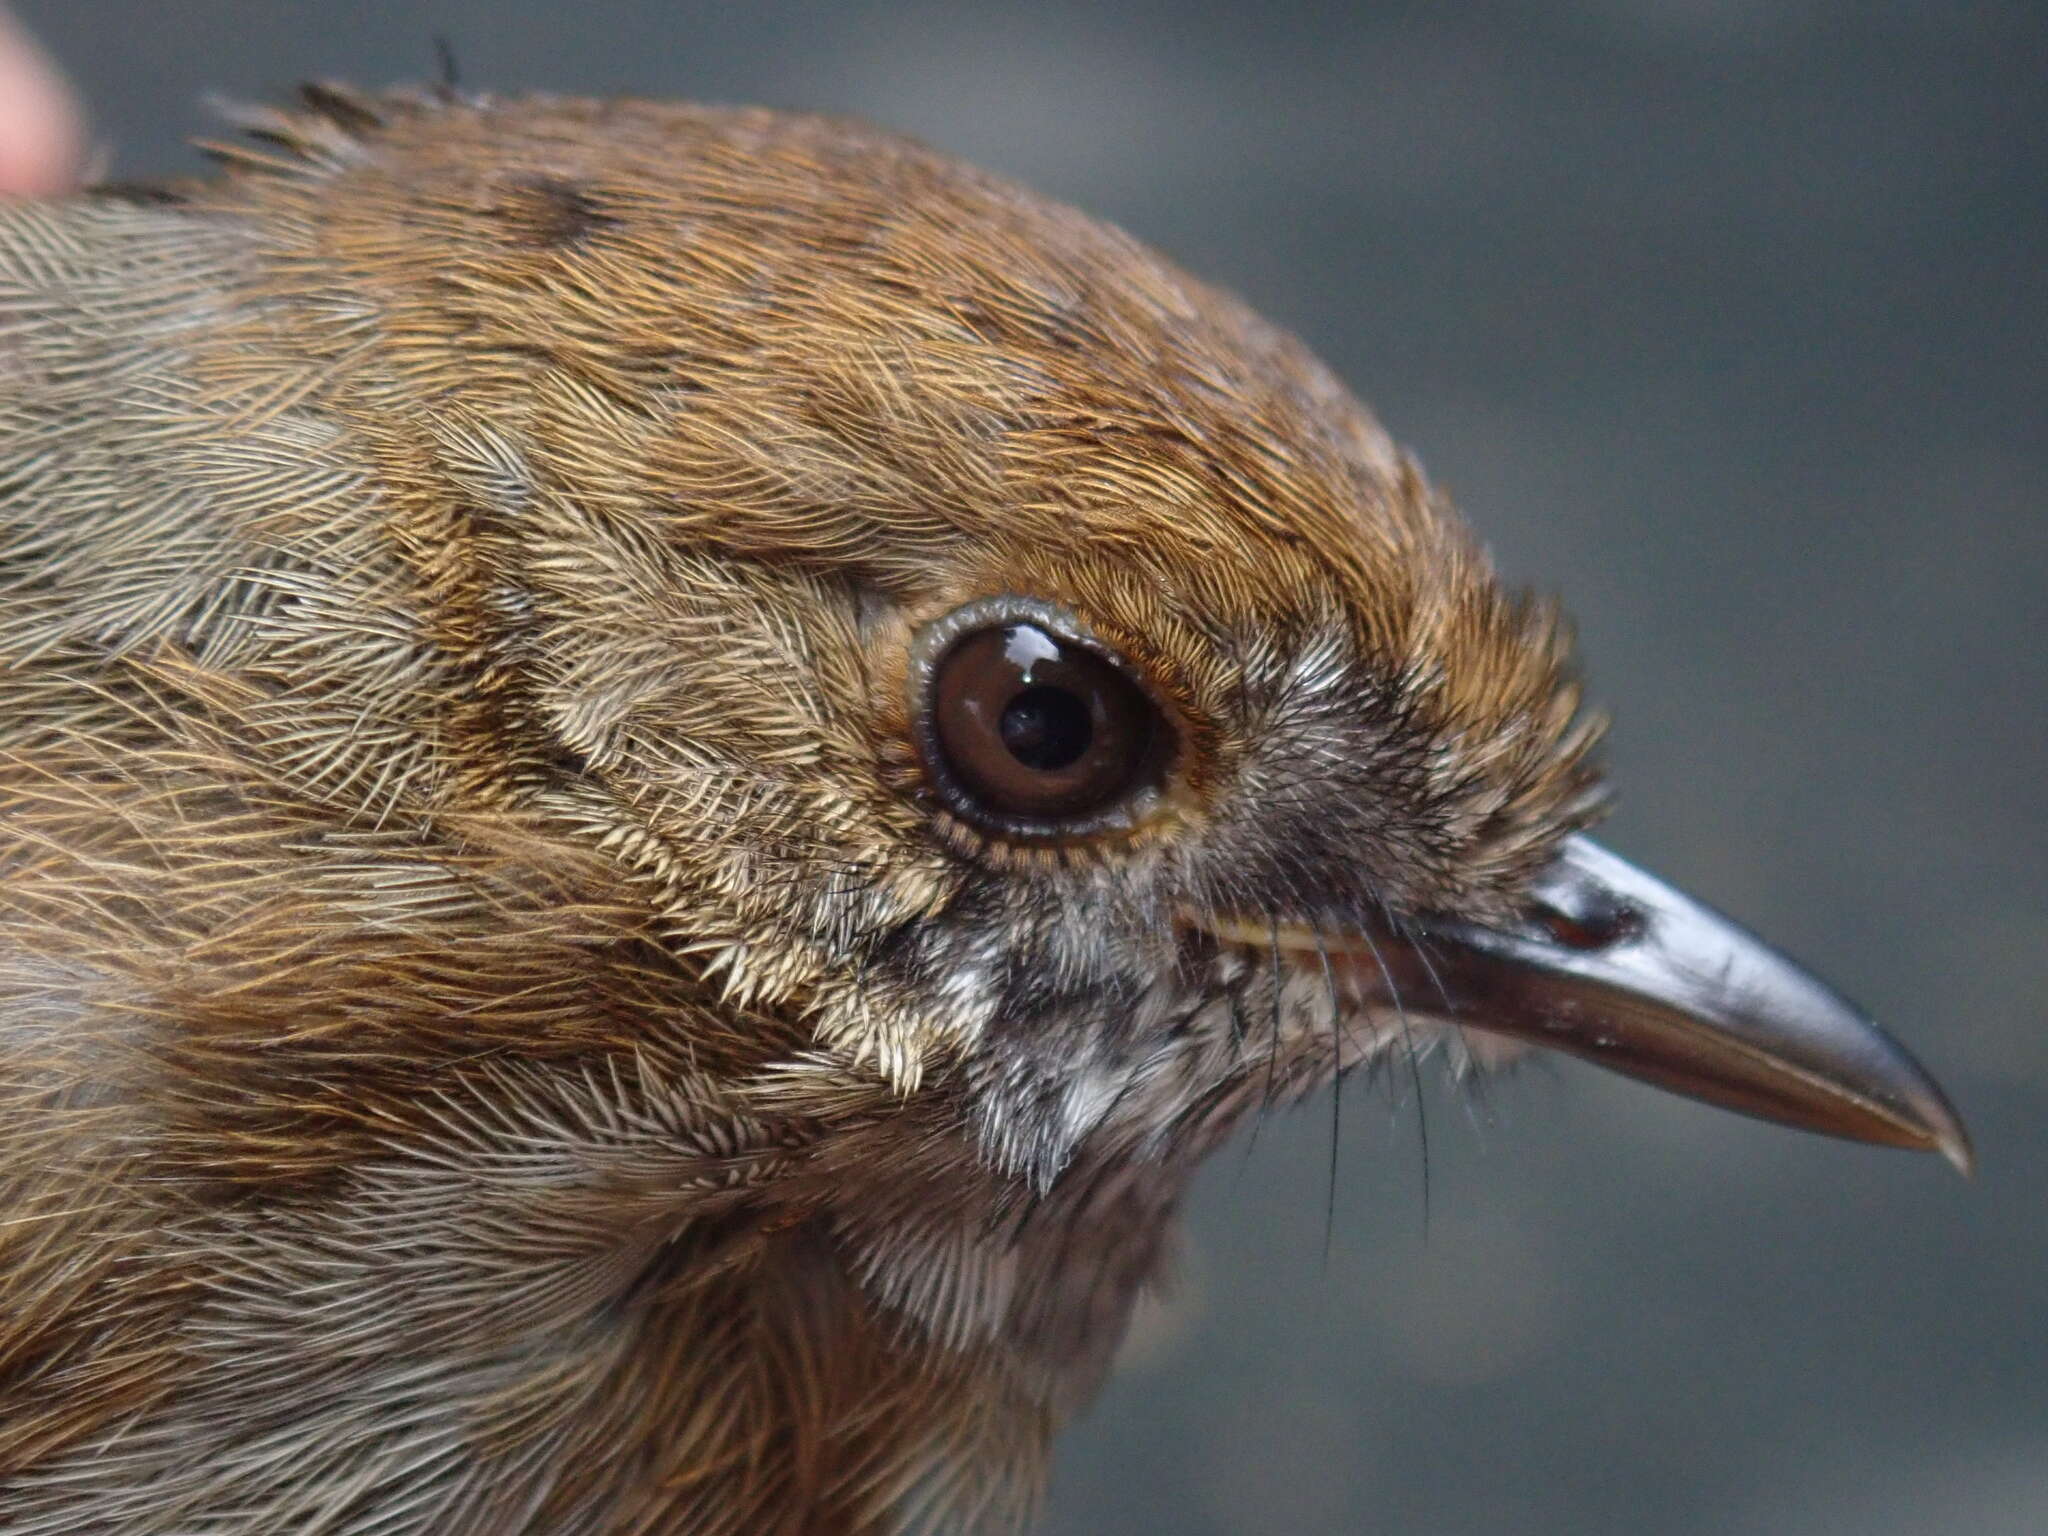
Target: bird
x,y
664,769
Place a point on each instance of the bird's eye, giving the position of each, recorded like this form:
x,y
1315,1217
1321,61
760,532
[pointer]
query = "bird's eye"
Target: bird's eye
x,y
1032,733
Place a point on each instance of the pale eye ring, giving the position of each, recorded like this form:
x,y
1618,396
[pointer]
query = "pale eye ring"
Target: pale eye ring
x,y
1032,729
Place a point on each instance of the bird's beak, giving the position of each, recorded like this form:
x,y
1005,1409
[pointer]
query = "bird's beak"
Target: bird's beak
x,y
1612,965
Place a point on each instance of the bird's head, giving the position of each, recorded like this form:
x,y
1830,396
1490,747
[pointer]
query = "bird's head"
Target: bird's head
x,y
660,771
1010,657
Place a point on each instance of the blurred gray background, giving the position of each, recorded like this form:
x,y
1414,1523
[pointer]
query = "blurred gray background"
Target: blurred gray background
x,y
1727,320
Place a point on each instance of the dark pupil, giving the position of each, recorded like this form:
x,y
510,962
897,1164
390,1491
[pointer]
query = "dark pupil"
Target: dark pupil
x,y
1047,728
1028,727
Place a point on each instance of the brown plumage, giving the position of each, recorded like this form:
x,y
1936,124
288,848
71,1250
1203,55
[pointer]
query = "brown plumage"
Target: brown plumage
x,y
505,1027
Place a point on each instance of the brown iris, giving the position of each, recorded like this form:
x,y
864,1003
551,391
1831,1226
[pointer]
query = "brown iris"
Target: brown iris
x,y
1036,729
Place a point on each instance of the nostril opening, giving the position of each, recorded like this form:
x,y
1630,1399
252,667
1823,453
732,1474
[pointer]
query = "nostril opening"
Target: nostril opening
x,y
1596,925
